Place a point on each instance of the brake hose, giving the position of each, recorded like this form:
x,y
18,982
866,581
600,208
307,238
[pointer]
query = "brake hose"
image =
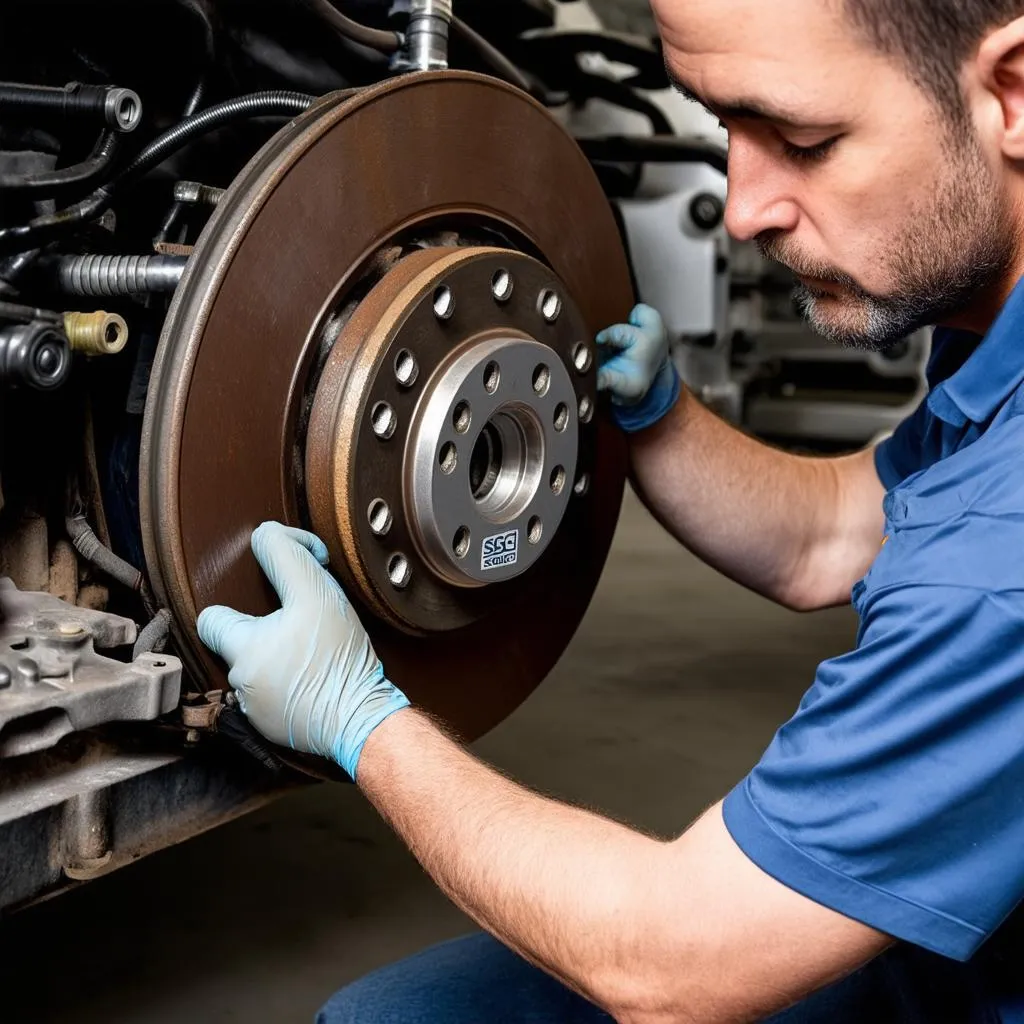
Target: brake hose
x,y
49,226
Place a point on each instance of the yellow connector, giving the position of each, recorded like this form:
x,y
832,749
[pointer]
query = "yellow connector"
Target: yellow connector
x,y
96,334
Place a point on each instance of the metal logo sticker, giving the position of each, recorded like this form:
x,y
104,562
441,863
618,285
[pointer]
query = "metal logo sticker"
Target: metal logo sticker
x,y
500,551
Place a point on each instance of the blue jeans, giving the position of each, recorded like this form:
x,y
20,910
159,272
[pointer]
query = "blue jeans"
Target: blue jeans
x,y
476,980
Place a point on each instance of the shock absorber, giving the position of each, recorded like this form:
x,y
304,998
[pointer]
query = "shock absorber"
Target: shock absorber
x,y
426,38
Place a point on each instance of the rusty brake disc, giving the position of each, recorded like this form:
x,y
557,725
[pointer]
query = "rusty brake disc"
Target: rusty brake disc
x,y
329,361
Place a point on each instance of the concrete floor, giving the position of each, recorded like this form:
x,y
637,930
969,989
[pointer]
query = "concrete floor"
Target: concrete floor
x,y
667,696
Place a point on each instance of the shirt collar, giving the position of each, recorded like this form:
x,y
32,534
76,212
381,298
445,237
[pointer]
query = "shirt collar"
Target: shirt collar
x,y
993,372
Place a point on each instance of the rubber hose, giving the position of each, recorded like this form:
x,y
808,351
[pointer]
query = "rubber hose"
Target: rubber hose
x,y
88,545
100,160
198,9
374,39
259,104
153,637
493,57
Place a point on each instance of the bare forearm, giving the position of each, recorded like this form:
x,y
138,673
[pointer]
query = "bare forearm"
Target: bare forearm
x,y
561,886
781,524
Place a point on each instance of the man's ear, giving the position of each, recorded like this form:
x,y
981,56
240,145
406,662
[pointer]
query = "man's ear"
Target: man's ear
x,y
999,71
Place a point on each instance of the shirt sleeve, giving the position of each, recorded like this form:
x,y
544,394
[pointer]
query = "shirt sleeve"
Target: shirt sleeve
x,y
895,796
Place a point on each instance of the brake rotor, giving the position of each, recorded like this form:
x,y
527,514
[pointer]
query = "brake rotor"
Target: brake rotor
x,y
385,336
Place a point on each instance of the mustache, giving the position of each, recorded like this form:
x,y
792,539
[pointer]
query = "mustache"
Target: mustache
x,y
774,246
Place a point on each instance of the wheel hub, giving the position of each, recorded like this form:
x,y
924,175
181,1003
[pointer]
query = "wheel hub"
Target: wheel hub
x,y
455,417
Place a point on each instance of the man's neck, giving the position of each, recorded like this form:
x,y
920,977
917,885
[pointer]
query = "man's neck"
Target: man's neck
x,y
988,303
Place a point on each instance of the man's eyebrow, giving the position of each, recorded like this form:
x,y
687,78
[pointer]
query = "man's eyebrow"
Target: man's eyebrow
x,y
743,110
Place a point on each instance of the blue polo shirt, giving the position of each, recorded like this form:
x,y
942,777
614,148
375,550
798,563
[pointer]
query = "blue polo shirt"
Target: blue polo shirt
x,y
896,793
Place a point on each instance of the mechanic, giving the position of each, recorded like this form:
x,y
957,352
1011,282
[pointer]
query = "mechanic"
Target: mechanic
x,y
869,867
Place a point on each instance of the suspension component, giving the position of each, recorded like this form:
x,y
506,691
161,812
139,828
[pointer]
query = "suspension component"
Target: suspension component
x,y
36,354
96,334
120,109
119,275
426,38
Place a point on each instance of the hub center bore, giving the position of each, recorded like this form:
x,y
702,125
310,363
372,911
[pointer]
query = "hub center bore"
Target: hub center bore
x,y
489,451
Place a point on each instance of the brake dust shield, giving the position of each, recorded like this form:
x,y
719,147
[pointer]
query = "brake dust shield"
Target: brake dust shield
x,y
385,335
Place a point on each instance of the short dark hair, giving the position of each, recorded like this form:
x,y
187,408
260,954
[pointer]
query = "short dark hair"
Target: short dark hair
x,y
933,38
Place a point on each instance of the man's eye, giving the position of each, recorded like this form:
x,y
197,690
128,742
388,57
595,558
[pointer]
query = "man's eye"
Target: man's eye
x,y
809,154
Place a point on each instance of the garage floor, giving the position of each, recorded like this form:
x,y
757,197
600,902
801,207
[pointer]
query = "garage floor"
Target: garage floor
x,y
667,696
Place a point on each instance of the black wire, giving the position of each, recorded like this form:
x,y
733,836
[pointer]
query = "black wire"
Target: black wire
x,y
374,39
49,226
198,8
99,161
493,57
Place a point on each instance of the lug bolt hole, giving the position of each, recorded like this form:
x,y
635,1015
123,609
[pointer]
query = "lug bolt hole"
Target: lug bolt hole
x,y
541,380
461,543
550,305
406,368
501,286
492,377
448,459
582,358
586,409
444,303
383,420
379,515
561,416
399,571
557,480
462,418
535,530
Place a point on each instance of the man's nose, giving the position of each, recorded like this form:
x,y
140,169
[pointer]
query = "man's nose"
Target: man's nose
x,y
758,199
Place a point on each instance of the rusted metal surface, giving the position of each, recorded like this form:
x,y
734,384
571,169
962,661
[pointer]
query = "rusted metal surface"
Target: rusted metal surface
x,y
287,247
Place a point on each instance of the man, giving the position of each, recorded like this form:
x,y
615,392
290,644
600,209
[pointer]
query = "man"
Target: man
x,y
868,868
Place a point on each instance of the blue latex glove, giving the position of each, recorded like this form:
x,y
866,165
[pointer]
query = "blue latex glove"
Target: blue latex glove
x,y
636,367
306,676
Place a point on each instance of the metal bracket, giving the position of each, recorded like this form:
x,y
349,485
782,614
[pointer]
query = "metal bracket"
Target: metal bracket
x,y
52,681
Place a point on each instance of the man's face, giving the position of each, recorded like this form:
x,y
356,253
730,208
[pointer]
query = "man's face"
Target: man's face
x,y
842,168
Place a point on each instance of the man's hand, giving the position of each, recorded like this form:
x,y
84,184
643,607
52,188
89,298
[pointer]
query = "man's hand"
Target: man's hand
x,y
306,676
638,370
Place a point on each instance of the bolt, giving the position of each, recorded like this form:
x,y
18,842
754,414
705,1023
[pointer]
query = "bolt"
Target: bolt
x,y
70,629
192,737
195,193
5,677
